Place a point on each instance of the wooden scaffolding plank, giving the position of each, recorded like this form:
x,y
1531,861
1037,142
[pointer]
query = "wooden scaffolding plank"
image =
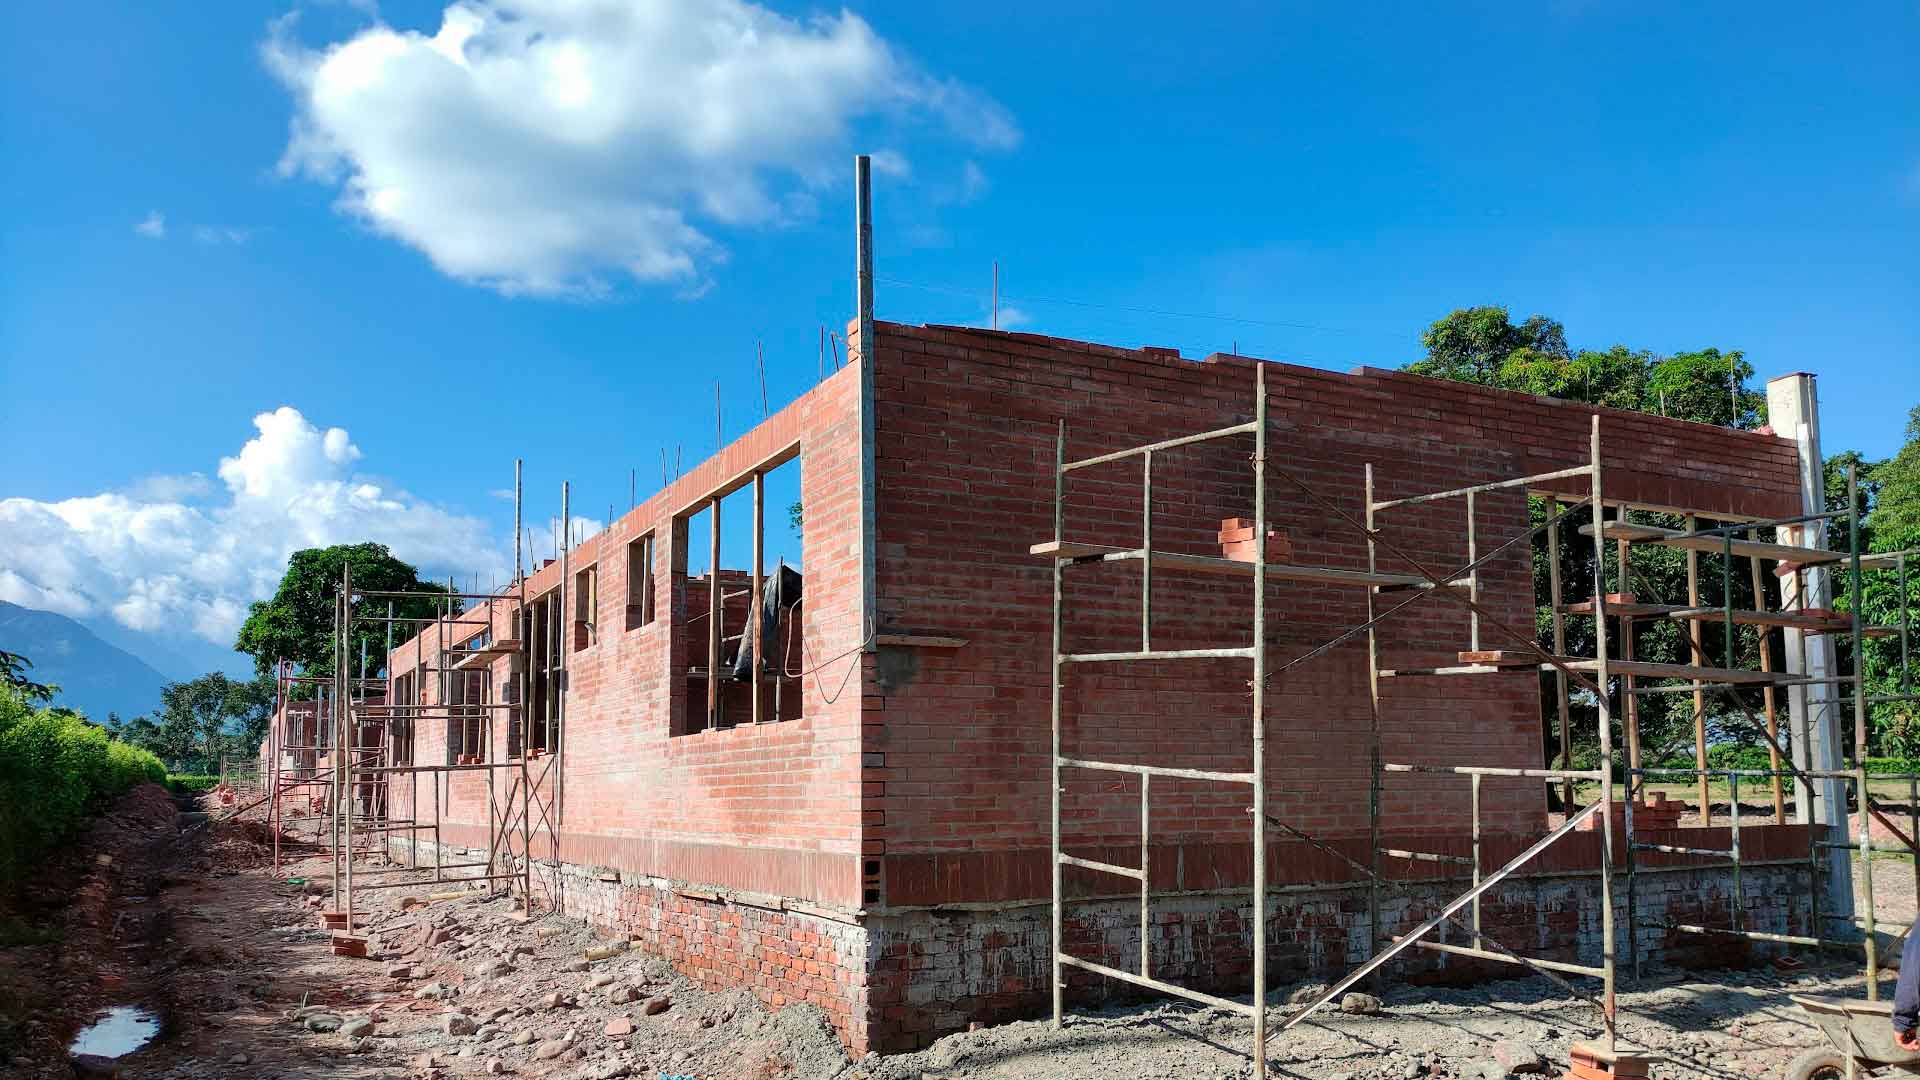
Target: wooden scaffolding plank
x,y
920,641
1789,620
1641,669
1625,610
485,654
1653,534
1208,564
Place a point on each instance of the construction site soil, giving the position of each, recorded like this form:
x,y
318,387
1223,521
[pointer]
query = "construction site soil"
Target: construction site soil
x,y
179,918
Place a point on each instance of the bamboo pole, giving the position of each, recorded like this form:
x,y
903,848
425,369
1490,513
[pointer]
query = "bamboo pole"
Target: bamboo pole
x,y
1699,695
1764,635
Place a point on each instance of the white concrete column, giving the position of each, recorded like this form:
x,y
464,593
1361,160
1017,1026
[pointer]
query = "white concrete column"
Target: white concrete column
x,y
1814,713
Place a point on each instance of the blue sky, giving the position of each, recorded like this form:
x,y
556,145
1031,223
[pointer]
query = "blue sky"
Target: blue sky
x,y
566,257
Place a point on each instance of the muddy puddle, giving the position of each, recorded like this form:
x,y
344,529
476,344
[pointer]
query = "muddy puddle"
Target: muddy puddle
x,y
124,1029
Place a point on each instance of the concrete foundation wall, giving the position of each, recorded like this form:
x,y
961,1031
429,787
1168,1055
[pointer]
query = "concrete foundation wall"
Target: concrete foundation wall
x,y
934,971
898,981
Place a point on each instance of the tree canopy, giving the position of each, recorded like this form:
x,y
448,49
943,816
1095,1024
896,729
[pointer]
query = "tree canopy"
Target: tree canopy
x,y
13,673
297,623
1708,385
1483,345
202,719
1890,496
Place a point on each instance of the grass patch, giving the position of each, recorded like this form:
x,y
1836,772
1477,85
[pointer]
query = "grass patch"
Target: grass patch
x,y
191,783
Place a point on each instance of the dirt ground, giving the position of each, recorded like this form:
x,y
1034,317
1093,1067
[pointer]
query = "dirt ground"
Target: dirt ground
x,y
185,919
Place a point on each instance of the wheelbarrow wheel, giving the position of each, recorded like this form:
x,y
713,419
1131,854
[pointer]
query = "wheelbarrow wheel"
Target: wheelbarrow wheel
x,y
1819,1063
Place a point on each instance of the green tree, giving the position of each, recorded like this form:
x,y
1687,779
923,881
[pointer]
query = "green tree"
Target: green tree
x,y
298,623
1707,386
1890,498
1483,345
13,673
1472,344
202,719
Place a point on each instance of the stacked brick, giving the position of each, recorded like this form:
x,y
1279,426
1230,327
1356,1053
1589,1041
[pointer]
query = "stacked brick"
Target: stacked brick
x,y
1591,1063
1236,542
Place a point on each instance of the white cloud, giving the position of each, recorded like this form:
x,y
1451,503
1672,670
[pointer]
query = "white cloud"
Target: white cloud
x,y
221,234
973,182
175,556
153,226
554,146
1012,318
892,163
166,488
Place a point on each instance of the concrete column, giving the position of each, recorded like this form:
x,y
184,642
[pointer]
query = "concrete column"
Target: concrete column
x,y
1814,712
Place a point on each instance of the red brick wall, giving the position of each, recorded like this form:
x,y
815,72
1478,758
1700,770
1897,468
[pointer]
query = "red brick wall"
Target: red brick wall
x,y
774,808
956,744
928,785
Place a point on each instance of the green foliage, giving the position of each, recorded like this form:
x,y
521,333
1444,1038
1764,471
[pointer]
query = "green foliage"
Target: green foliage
x,y
1483,345
56,769
1472,345
1707,386
201,720
13,672
191,783
1755,757
1889,494
297,624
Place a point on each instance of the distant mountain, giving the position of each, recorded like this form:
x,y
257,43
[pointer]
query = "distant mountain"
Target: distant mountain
x,y
94,677
179,657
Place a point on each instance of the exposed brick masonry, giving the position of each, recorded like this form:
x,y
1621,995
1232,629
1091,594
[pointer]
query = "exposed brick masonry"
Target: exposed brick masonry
x,y
890,807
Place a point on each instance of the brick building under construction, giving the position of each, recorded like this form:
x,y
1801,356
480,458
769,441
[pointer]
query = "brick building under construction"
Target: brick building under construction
x,y
878,843
1012,702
